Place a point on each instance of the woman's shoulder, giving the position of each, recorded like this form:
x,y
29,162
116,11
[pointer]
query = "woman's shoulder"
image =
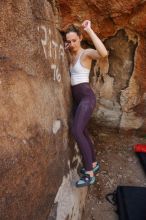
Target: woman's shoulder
x,y
92,53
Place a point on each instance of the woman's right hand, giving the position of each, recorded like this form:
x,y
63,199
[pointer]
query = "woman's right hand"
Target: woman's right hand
x,y
66,45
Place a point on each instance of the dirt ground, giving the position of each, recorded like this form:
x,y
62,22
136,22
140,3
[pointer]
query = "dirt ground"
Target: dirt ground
x,y
118,166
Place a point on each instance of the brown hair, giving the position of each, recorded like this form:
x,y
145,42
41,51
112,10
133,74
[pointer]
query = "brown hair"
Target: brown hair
x,y
75,29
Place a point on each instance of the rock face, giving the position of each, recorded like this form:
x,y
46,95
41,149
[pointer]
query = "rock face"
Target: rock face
x,y
38,158
121,93
37,168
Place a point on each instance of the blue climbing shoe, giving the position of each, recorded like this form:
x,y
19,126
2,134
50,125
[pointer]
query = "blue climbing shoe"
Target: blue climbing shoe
x,y
95,169
85,180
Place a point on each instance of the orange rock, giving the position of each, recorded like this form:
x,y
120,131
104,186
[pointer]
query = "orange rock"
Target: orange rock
x,y
108,17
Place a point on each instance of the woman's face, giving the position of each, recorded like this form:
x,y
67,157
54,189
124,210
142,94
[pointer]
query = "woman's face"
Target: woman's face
x,y
74,41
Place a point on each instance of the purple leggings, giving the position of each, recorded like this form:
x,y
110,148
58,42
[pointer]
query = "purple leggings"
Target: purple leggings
x,y
84,103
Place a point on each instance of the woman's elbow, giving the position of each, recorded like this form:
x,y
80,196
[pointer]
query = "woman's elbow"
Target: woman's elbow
x,y
104,54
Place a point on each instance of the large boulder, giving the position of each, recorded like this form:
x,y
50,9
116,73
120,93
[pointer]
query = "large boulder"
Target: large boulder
x,y
38,161
121,93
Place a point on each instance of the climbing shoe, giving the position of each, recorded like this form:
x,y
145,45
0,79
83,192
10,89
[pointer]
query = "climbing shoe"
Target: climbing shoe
x,y
85,180
95,169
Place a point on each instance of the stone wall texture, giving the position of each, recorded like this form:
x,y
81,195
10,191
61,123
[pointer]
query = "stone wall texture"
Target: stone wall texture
x,y
121,24
37,168
38,157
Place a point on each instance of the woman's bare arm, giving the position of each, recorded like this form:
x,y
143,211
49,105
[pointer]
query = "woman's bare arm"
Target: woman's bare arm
x,y
96,41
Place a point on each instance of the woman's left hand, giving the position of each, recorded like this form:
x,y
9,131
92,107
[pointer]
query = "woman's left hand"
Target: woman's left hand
x,y
86,25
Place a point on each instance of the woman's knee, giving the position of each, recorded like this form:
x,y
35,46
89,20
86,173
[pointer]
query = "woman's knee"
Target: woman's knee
x,y
76,132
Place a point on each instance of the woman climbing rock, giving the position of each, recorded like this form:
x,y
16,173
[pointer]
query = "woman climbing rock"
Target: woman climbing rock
x,y
85,100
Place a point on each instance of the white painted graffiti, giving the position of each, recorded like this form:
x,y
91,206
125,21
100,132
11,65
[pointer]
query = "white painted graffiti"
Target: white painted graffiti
x,y
57,75
44,41
52,50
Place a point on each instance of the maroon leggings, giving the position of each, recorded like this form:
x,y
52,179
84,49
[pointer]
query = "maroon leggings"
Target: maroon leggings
x,y
84,103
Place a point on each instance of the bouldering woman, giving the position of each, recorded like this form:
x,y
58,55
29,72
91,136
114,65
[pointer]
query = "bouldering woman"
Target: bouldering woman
x,y
80,64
